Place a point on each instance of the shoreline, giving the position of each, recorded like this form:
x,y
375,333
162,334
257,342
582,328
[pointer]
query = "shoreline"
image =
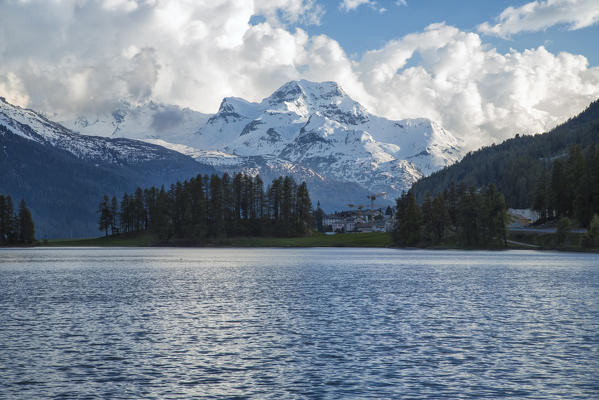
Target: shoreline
x,y
347,240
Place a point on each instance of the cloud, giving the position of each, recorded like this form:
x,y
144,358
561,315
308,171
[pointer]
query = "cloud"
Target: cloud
x,y
82,57
540,15
351,5
473,90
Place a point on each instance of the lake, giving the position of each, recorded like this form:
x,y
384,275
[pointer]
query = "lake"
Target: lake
x,y
297,323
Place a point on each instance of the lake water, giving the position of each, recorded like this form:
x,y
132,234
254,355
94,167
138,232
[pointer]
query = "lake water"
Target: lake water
x,y
298,323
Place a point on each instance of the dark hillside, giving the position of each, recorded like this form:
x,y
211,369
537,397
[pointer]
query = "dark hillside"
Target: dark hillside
x,y
515,165
62,190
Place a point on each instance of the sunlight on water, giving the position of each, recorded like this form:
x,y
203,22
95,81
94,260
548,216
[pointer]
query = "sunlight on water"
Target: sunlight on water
x,y
286,323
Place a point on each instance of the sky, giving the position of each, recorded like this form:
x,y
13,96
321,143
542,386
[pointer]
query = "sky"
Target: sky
x,y
485,70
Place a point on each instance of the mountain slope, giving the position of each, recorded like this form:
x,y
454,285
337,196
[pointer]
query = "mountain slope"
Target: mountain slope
x,y
318,126
314,131
63,175
148,121
515,165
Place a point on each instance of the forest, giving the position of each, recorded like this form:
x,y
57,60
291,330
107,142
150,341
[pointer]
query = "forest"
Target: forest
x,y
460,216
16,228
211,207
516,165
570,188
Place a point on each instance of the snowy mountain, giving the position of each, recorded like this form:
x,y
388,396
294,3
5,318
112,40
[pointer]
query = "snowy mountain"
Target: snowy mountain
x,y
313,131
148,121
63,175
33,126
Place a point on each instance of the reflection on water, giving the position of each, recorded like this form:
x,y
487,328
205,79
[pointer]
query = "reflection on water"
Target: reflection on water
x,y
308,323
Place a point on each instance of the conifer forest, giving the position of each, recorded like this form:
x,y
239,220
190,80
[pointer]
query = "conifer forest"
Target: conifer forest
x,y
211,207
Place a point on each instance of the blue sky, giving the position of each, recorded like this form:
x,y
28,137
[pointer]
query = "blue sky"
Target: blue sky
x,y
366,28
486,70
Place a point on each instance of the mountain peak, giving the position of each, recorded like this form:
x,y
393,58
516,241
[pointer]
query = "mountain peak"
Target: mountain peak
x,y
310,91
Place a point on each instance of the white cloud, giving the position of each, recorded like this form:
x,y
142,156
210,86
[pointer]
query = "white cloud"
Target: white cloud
x,y
539,15
349,5
77,57
472,89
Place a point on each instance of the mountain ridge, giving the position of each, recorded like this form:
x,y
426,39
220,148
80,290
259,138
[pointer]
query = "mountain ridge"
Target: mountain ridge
x,y
318,127
516,165
63,175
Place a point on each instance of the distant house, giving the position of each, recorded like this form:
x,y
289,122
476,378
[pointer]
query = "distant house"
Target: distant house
x,y
521,217
358,221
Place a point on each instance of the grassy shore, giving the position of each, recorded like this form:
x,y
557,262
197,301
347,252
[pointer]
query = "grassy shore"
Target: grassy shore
x,y
375,239
529,241
548,241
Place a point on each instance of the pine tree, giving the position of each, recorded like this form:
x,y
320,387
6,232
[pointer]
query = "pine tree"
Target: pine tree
x,y
303,210
319,216
124,214
10,222
468,217
441,219
495,223
114,212
560,189
216,213
564,225
591,237
105,217
428,220
541,198
26,226
4,221
408,222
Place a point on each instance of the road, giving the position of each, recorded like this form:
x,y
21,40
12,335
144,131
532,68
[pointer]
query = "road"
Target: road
x,y
543,230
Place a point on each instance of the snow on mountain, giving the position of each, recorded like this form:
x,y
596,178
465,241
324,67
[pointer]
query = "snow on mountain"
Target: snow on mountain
x,y
306,129
318,126
35,127
148,121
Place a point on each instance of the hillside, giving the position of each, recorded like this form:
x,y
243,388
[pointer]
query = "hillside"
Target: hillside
x,y
61,174
515,165
313,131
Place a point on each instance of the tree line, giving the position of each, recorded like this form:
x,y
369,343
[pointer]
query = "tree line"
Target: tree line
x,y
15,227
516,164
570,188
460,215
208,207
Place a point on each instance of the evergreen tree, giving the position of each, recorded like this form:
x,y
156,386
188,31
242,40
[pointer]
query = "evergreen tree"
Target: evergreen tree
x,y
564,225
5,220
105,217
114,212
163,220
319,217
125,217
408,221
213,207
591,237
428,221
11,223
468,217
496,210
216,213
303,207
26,228
441,219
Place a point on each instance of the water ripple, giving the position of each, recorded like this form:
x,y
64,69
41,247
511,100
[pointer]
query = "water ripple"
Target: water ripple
x,y
310,323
